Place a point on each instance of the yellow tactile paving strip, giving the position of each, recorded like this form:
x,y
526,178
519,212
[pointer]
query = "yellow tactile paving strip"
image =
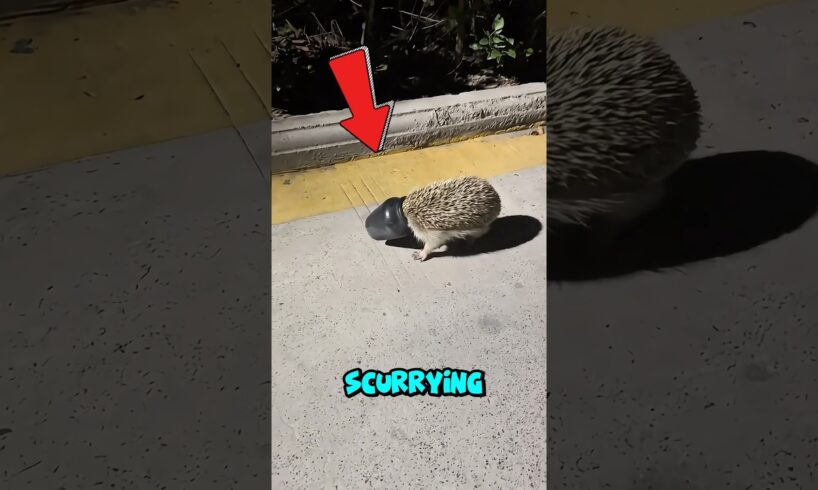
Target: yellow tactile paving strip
x,y
115,77
371,180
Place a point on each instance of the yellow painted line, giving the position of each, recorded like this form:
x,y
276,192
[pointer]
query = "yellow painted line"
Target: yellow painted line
x,y
371,180
648,16
118,76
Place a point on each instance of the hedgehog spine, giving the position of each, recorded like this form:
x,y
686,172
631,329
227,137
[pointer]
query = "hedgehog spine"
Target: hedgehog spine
x,y
452,209
622,117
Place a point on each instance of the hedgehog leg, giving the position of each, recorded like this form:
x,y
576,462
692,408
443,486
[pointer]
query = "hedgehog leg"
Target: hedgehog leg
x,y
432,242
423,255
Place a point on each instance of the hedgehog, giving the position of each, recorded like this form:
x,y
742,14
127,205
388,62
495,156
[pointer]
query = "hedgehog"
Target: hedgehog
x,y
461,208
622,117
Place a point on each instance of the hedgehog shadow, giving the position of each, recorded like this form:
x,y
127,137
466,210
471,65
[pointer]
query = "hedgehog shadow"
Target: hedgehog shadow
x,y
716,206
506,232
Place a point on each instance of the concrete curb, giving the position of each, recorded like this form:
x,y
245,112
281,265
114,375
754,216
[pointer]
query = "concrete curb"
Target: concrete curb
x,y
317,140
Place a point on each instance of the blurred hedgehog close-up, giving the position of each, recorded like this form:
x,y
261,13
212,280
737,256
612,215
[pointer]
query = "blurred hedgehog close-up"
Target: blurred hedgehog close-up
x,y
622,117
461,208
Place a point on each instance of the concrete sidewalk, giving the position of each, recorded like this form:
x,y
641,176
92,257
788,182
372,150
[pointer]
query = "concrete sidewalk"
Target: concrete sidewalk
x,y
342,300
124,313
84,323
703,376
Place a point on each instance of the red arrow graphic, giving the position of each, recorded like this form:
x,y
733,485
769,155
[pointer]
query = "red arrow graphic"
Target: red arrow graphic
x,y
369,123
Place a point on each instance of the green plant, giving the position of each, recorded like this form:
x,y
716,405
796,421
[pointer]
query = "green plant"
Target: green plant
x,y
495,45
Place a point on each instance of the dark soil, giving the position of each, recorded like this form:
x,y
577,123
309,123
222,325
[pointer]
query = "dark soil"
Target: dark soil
x,y
414,53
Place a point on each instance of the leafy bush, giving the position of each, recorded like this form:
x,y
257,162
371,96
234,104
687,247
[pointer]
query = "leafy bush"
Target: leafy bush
x,y
417,47
494,45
